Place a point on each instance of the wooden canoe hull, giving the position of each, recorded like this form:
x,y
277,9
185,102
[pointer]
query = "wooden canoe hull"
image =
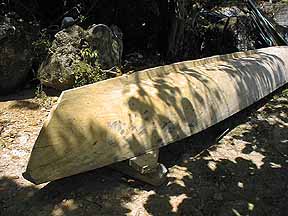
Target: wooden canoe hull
x,y
117,119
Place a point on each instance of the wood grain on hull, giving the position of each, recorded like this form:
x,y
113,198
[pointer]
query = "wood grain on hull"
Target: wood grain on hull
x,y
114,120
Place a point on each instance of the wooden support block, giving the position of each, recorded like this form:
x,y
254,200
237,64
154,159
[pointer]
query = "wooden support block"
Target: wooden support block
x,y
144,168
146,163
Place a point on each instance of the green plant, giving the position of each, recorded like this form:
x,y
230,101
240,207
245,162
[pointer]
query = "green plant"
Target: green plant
x,y
42,44
89,56
85,73
88,70
39,93
40,48
41,97
82,18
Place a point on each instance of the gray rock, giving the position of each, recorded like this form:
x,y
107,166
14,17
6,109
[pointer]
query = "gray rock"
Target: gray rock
x,y
57,70
117,47
279,11
230,35
107,43
245,34
15,53
67,21
231,11
281,16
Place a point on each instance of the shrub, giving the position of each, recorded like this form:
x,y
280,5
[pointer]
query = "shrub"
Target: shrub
x,y
41,47
85,73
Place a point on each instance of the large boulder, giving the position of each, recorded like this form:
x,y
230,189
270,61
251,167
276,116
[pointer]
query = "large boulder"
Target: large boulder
x,y
57,71
15,53
107,42
228,35
281,16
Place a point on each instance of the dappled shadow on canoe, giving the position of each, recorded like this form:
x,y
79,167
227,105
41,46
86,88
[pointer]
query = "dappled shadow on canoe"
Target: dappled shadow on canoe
x,y
232,186
195,99
249,78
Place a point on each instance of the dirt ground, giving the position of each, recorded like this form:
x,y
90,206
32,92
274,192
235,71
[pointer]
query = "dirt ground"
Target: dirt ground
x,y
244,173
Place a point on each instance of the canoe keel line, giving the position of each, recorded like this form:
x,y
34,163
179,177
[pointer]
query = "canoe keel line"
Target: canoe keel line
x,y
132,116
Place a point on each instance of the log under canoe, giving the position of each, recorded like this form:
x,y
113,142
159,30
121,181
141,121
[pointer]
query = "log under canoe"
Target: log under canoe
x,y
117,119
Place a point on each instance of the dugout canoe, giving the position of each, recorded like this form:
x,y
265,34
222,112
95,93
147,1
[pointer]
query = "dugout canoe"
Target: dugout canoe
x,y
117,119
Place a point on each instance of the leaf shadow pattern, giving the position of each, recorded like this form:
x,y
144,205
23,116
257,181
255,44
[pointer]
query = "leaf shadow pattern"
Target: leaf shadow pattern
x,y
235,186
245,174
208,184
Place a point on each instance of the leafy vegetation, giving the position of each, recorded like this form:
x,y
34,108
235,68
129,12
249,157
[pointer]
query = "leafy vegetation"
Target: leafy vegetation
x,y
88,70
41,97
40,48
85,73
90,56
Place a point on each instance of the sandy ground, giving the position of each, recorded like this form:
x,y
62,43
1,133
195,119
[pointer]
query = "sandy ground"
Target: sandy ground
x,y
245,173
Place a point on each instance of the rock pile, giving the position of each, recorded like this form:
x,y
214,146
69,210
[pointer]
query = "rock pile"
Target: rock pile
x,y
57,70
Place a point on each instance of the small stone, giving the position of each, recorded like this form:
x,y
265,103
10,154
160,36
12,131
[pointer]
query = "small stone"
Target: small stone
x,y
23,139
18,153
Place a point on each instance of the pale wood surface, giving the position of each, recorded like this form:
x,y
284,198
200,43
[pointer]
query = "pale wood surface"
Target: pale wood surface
x,y
110,121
